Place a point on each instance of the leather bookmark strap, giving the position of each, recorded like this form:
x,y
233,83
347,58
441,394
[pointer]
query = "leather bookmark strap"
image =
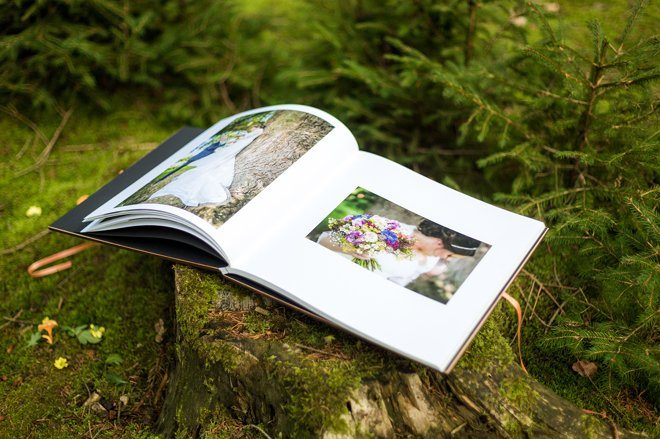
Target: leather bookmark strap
x,y
516,306
35,270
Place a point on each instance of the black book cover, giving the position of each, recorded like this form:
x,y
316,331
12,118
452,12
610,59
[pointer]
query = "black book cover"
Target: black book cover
x,y
159,241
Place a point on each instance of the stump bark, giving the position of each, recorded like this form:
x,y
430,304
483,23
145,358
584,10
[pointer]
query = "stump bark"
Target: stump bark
x,y
246,366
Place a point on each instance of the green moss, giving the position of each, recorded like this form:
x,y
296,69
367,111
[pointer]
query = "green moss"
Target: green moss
x,y
317,392
591,426
219,424
256,323
512,426
197,294
125,292
519,393
314,387
219,352
489,347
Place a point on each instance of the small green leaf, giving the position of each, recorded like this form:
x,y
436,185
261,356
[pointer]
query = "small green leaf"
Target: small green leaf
x,y
115,379
448,181
34,339
69,330
114,359
85,337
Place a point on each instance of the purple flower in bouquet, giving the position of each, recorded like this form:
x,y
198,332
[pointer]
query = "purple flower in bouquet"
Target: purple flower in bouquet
x,y
390,237
355,237
365,236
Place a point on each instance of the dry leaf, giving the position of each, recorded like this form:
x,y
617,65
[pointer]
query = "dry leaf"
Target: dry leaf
x,y
585,368
93,398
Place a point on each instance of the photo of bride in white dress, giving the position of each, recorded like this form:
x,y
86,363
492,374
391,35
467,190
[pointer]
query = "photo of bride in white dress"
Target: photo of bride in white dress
x,y
404,248
210,177
225,172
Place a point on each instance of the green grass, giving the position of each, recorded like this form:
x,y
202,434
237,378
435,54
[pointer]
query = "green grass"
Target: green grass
x,y
611,14
125,292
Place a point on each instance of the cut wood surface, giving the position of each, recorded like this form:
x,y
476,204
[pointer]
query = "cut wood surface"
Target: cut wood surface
x,y
246,365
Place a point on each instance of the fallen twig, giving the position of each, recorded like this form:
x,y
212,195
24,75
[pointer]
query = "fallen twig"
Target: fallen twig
x,y
13,112
259,429
24,244
11,320
319,351
49,146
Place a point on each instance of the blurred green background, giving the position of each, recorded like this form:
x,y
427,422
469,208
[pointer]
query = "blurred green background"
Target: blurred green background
x,y
548,109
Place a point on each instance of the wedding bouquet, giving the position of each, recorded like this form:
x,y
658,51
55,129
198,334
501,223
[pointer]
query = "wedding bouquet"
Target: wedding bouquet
x,y
364,236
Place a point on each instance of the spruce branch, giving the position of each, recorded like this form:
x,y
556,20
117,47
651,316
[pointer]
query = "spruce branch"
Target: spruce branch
x,y
594,82
635,12
471,29
545,26
555,66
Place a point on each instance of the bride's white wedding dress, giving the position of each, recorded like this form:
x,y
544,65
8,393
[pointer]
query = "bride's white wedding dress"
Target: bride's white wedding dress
x,y
401,271
404,271
209,180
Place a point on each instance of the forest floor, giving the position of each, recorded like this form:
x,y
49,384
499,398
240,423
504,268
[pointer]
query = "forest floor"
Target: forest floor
x,y
126,293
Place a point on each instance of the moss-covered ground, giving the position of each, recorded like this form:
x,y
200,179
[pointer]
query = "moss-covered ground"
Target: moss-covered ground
x,y
124,292
316,369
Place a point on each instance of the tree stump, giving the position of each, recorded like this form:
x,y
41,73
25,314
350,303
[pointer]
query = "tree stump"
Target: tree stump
x,y
247,366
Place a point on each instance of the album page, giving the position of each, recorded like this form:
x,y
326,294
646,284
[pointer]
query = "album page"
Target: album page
x,y
394,257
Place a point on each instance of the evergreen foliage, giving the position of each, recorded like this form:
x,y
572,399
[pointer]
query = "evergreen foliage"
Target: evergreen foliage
x,y
200,60
573,140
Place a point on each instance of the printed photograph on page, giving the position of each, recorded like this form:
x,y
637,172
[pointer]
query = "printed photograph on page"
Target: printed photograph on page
x,y
224,173
401,246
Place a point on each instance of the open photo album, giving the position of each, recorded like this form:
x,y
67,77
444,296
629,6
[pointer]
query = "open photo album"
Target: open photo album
x,y
282,200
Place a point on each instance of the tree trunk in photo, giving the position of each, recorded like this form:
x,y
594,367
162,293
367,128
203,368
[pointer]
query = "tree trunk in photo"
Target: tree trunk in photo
x,y
247,366
286,138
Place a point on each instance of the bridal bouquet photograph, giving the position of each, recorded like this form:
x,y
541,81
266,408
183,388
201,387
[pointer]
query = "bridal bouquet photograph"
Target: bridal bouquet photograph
x,y
398,245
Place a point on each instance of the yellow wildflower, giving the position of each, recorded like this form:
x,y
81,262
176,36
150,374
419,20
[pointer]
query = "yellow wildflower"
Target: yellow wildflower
x,y
33,211
96,332
61,363
47,325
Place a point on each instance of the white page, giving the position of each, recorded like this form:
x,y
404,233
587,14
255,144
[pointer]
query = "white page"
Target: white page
x,y
323,157
373,306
